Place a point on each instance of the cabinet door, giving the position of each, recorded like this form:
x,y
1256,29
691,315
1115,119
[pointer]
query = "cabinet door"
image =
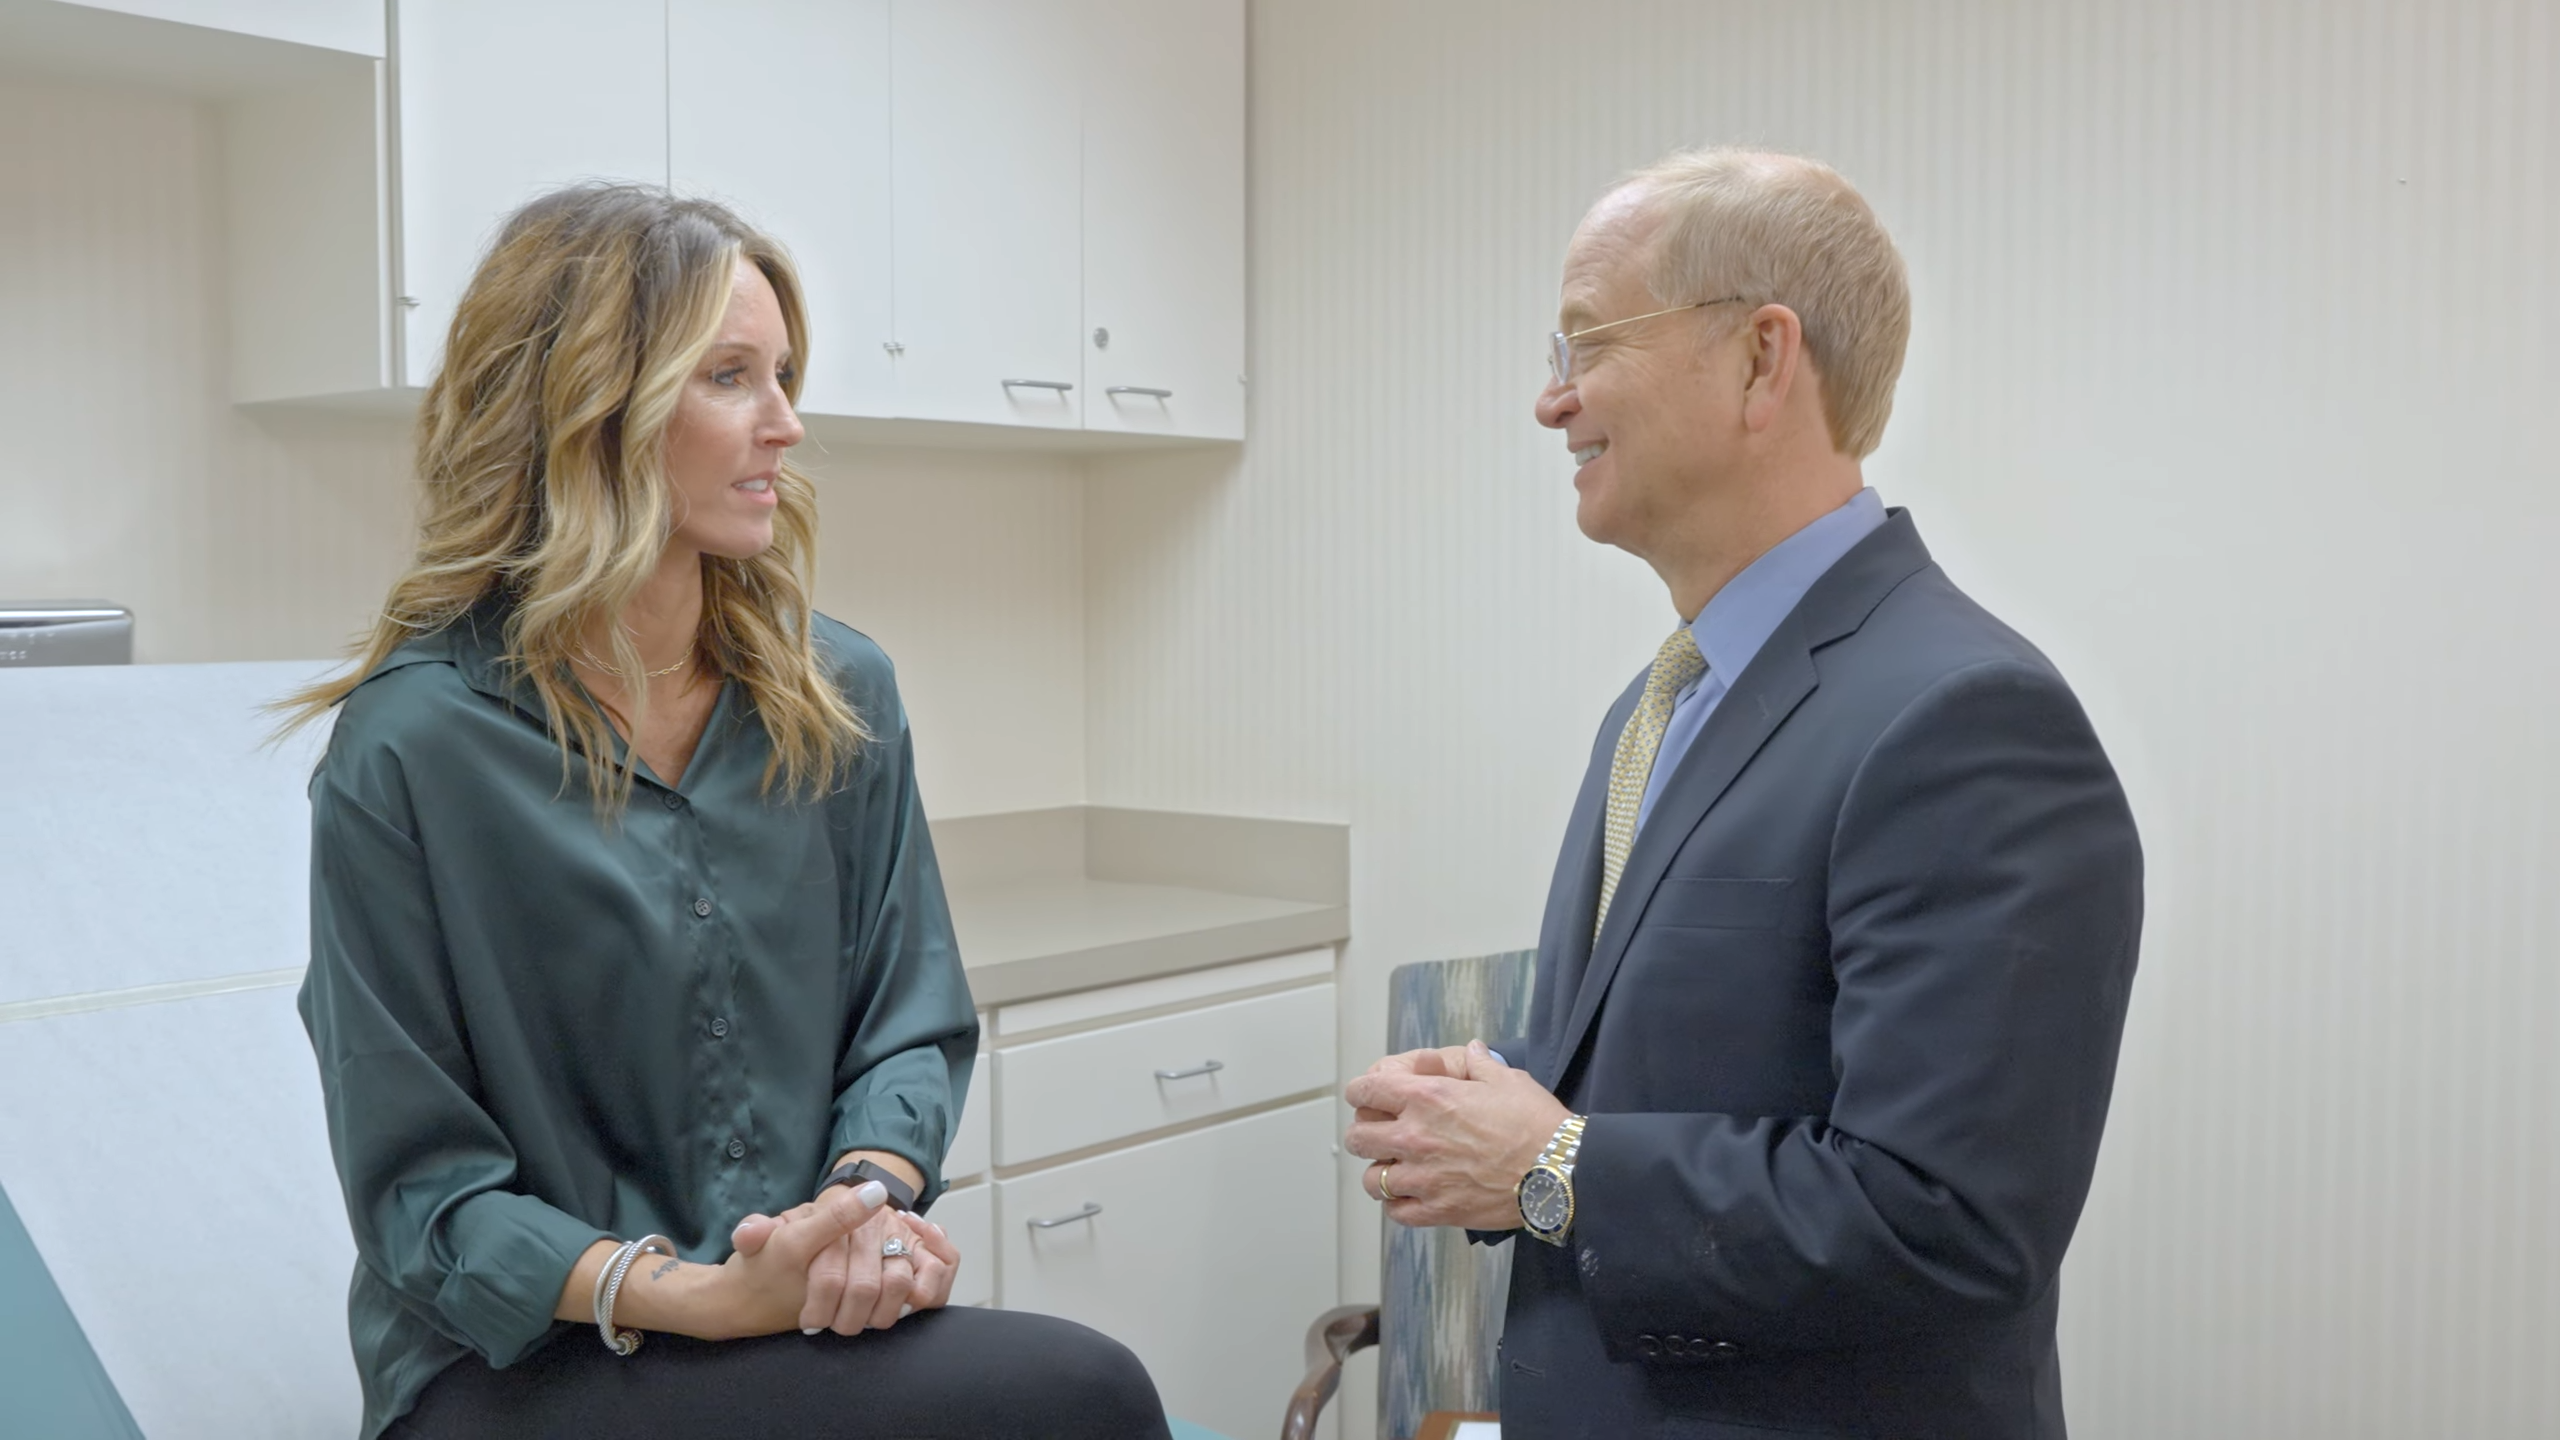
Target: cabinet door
x,y
499,101
972,1141
985,199
1164,217
780,108
1208,1254
968,1215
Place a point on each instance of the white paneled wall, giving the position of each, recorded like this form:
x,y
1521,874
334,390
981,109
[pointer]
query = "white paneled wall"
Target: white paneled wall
x,y
235,535
2232,322
968,568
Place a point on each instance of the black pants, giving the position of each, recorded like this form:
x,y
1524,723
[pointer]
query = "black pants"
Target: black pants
x,y
957,1374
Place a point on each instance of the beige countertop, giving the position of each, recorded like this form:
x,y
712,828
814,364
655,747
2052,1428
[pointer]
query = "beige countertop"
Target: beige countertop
x,y
1050,901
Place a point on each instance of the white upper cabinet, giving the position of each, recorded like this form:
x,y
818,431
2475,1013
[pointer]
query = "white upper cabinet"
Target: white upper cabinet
x,y
1025,214
499,101
780,108
1164,217
354,26
986,194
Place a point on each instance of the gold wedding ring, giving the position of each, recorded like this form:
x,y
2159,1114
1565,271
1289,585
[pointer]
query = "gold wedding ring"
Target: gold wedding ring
x,y
1385,1194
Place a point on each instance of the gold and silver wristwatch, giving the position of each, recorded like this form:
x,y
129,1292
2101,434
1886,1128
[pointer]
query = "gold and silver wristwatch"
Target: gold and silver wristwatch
x,y
1546,1192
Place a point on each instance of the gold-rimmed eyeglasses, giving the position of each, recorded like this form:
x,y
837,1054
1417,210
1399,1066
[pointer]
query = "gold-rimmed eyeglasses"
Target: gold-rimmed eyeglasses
x,y
1560,345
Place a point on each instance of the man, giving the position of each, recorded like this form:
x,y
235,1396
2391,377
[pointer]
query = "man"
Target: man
x,y
1835,961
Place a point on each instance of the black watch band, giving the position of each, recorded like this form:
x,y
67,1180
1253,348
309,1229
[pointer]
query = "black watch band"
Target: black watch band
x,y
902,1196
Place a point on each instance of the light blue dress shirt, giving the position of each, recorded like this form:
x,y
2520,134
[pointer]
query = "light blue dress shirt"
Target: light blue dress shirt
x,y
1738,621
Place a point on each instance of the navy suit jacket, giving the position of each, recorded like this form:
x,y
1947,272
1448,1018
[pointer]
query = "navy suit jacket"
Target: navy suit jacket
x,y
1846,1041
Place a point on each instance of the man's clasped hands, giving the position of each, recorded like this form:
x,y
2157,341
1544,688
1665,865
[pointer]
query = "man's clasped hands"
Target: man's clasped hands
x,y
1451,1131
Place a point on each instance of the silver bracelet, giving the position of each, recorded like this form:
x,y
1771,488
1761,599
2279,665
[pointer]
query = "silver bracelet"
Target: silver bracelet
x,y
609,1288
604,1272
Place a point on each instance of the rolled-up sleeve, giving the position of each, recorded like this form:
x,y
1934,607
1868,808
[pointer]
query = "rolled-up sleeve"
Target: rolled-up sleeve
x,y
426,1170
912,1028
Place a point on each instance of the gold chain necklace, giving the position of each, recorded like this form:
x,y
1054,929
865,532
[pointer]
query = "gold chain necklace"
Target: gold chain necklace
x,y
602,668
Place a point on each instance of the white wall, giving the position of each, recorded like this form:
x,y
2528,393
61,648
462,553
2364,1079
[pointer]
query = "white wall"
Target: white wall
x,y
126,475
2231,322
968,567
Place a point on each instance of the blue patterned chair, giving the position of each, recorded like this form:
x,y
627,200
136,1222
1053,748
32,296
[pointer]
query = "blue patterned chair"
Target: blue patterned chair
x,y
1441,1316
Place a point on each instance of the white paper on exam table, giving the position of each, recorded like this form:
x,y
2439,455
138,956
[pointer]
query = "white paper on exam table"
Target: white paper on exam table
x,y
1477,1430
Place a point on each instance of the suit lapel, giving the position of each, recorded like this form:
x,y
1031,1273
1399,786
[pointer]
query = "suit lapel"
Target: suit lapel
x,y
1769,689
1573,897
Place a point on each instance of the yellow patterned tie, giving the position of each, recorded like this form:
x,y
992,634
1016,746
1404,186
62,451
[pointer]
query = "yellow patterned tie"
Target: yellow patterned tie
x,y
1675,667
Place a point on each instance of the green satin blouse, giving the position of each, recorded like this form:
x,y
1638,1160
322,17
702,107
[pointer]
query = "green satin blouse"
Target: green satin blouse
x,y
536,1029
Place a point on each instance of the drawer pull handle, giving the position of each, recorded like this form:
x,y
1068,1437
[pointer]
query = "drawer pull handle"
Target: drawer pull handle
x,y
1088,1212
1148,391
1061,386
1205,1067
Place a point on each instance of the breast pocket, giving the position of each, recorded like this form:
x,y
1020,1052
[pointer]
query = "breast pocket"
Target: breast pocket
x,y
1686,902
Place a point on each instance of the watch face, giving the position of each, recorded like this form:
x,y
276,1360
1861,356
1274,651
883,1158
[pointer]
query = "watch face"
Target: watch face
x,y
1545,1201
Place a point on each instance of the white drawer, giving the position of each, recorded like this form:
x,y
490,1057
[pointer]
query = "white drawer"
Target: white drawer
x,y
969,1154
1053,1096
1207,1253
1189,987
969,1215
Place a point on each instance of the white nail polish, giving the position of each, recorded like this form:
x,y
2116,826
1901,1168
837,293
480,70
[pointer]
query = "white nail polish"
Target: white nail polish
x,y
808,1329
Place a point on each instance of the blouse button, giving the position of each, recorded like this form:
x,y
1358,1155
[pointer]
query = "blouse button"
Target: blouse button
x,y
720,1028
737,1149
702,908
674,801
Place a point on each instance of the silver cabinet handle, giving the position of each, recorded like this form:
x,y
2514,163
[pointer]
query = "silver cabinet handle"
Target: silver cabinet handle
x,y
1061,386
1088,1212
1137,390
1205,1067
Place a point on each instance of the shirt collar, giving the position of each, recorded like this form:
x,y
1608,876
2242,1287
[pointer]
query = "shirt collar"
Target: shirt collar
x,y
474,644
1732,627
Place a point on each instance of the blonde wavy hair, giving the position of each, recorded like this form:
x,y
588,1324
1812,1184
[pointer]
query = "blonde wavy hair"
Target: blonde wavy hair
x,y
541,454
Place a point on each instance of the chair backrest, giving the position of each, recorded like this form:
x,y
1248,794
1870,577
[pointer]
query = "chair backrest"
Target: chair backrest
x,y
1441,1313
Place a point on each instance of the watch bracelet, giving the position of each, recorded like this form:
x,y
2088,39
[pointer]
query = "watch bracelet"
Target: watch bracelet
x,y
1565,1146
851,1173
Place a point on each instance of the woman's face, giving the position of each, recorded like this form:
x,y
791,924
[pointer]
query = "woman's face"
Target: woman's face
x,y
725,441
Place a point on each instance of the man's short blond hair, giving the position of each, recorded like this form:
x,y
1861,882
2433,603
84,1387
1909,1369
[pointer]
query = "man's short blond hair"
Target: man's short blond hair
x,y
1785,229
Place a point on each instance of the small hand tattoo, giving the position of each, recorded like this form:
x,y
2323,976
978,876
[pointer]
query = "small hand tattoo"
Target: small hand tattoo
x,y
661,1272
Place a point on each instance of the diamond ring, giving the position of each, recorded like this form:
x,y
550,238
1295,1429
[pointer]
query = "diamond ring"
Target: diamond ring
x,y
895,1248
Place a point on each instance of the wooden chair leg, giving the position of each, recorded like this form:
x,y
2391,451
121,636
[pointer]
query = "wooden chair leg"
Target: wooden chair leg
x,y
1330,1341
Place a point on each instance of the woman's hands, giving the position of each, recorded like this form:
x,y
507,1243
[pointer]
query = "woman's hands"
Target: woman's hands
x,y
850,1285
777,1280
756,1291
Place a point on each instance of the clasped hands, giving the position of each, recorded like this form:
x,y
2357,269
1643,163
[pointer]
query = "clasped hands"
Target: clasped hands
x,y
1451,1131
835,1244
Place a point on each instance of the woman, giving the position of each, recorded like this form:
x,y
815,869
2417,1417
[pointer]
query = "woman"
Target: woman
x,y
626,929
